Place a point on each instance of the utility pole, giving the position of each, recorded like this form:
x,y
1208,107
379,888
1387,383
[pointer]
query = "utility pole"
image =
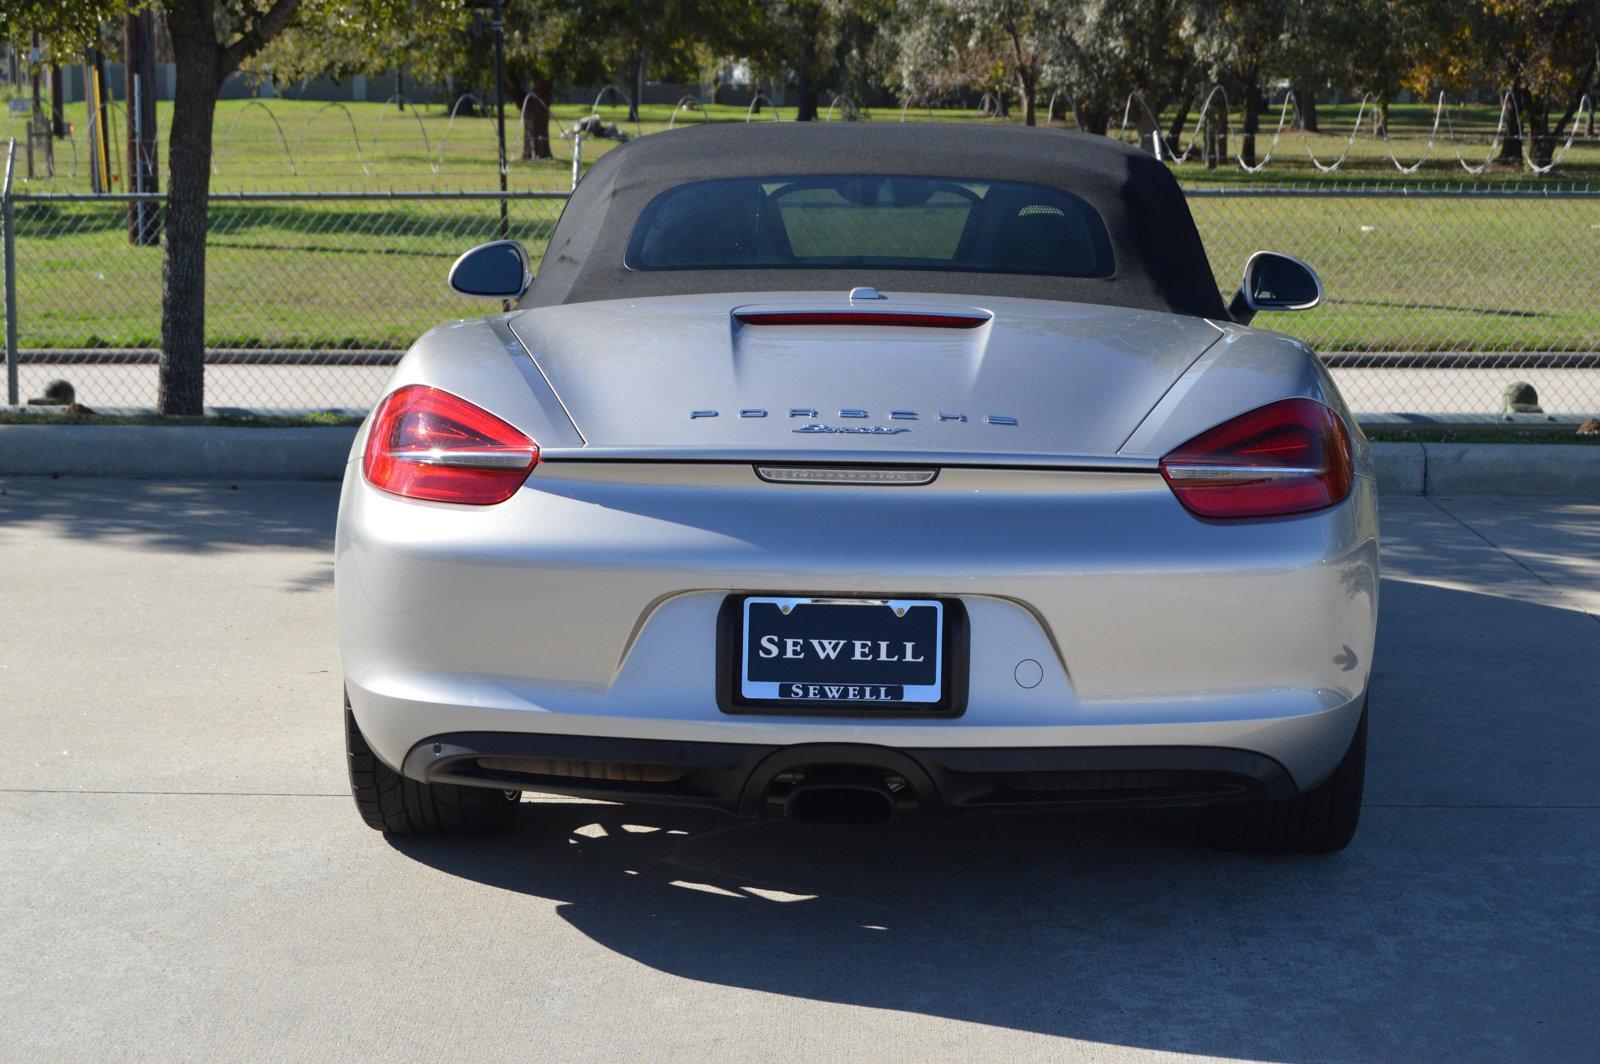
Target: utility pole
x,y
499,26
497,23
139,68
35,118
94,77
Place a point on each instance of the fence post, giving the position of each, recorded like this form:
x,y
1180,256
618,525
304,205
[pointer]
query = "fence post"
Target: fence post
x,y
8,220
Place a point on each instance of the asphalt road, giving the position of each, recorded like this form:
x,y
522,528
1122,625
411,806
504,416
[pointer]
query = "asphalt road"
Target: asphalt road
x,y
183,876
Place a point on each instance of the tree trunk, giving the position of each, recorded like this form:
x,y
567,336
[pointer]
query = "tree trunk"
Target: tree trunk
x,y
202,63
400,87
1305,97
1541,143
1215,147
183,270
1511,146
536,120
638,85
1571,111
1091,117
1028,98
807,80
1180,119
1252,120
58,119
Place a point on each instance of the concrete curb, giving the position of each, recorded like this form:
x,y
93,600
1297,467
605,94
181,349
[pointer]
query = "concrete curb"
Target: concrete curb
x,y
1402,468
201,453
190,452
1508,469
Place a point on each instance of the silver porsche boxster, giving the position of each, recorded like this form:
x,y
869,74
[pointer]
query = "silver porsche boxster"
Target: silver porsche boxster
x,y
844,470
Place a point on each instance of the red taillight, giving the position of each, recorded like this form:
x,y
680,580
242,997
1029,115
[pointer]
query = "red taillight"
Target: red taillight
x,y
1284,458
428,444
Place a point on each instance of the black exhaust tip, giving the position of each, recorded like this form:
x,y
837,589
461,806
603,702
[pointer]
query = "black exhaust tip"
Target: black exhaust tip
x,y
841,796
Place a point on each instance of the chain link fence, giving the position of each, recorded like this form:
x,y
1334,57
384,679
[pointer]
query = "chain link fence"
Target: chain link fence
x,y
310,300
1437,298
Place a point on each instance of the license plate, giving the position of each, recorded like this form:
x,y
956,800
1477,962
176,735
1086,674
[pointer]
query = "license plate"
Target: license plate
x,y
854,653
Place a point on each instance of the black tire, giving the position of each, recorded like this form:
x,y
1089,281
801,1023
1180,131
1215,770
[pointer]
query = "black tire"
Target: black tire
x,y
1323,820
395,805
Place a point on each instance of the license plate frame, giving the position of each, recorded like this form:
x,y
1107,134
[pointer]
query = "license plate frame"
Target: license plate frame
x,y
950,675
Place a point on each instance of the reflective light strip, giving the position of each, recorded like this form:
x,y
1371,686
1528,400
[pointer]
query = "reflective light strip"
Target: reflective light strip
x,y
1237,474
841,475
466,459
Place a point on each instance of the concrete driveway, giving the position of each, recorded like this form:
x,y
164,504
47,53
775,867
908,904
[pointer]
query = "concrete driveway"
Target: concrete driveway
x,y
183,875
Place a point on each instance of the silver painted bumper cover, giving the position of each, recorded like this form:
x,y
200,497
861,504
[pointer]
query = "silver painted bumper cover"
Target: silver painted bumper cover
x,y
586,608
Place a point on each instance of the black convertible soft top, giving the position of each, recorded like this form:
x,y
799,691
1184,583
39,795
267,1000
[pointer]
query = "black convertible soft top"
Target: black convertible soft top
x,y
1159,261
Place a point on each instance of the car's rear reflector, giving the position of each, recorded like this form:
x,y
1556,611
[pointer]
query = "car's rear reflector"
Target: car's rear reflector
x,y
920,319
429,444
1288,457
845,475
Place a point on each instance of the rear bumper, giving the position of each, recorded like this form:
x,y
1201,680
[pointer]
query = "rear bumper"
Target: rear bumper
x,y
1100,614
744,779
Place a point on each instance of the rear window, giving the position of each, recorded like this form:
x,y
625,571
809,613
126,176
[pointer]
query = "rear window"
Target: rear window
x,y
904,223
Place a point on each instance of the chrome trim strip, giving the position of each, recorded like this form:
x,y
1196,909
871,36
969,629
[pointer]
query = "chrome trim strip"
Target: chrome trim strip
x,y
501,460
845,475
870,456
1202,474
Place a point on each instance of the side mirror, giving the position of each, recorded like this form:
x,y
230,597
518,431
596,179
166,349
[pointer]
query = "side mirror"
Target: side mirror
x,y
1275,282
498,270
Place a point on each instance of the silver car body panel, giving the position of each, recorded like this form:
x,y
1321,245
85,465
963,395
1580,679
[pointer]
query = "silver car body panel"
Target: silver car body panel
x,y
586,604
1074,379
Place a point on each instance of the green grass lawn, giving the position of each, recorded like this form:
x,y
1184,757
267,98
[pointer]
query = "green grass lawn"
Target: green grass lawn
x,y
286,145
1425,274
330,275
1401,273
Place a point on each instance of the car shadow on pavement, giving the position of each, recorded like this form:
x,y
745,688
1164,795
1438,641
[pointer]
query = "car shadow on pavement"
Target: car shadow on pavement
x,y
1460,925
186,516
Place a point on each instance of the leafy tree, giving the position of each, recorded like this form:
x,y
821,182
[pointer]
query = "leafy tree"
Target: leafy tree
x,y
210,40
1106,50
1544,52
936,57
1026,32
789,38
665,35
988,43
1365,46
546,42
1240,40
1375,47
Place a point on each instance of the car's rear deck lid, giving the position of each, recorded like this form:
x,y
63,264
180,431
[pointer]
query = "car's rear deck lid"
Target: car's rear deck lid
x,y
1036,379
